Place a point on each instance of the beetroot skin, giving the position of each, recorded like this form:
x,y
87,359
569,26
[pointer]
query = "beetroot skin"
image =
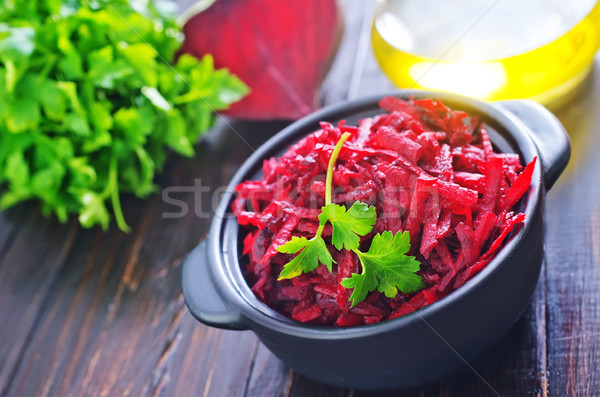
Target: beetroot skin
x,y
426,169
280,49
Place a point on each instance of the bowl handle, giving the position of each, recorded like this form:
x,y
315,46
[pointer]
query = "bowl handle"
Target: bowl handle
x,y
548,133
201,293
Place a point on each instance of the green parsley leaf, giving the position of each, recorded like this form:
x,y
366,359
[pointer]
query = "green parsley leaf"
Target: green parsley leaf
x,y
386,267
349,225
52,100
362,284
23,115
313,252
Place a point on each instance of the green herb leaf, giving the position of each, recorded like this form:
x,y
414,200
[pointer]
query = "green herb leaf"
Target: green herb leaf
x,y
141,57
52,99
362,284
23,114
349,225
313,252
386,267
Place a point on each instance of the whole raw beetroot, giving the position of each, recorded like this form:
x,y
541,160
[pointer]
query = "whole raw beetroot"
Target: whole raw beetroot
x,y
281,49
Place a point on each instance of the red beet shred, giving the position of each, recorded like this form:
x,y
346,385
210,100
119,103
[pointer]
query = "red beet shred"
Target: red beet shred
x,y
427,169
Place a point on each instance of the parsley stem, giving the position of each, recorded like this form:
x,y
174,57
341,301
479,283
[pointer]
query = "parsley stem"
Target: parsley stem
x,y
319,231
48,65
362,265
113,183
331,165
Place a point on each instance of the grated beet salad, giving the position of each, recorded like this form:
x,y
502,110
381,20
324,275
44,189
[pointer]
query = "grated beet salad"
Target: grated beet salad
x,y
425,168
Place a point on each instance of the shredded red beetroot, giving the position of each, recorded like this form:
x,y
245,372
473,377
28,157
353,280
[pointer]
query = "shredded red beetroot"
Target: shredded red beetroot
x,y
427,169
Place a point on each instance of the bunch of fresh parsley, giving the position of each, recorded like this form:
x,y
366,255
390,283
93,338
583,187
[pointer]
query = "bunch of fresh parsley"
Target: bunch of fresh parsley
x,y
91,100
385,266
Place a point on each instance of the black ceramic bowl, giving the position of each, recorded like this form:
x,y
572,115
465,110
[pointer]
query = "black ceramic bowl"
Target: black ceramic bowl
x,y
419,347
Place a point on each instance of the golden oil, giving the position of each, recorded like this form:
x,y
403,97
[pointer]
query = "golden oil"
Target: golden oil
x,y
488,49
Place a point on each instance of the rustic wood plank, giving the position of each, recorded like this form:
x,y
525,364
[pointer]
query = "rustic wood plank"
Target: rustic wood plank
x,y
339,80
67,318
112,321
232,366
9,226
573,254
432,389
302,386
31,255
515,366
192,370
269,376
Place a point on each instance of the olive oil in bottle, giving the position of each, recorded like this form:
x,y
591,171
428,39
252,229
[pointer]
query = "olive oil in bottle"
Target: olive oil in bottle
x,y
489,49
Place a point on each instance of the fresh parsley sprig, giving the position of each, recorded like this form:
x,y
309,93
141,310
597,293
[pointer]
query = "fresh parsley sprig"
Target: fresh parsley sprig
x,y
385,266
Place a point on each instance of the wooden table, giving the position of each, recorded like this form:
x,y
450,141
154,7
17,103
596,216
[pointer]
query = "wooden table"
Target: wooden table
x,y
90,313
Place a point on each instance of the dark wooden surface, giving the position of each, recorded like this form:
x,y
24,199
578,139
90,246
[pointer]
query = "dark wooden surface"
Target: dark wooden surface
x,y
84,312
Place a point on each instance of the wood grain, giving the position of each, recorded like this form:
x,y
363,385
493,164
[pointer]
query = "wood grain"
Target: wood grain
x,y
31,256
115,310
572,250
90,313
